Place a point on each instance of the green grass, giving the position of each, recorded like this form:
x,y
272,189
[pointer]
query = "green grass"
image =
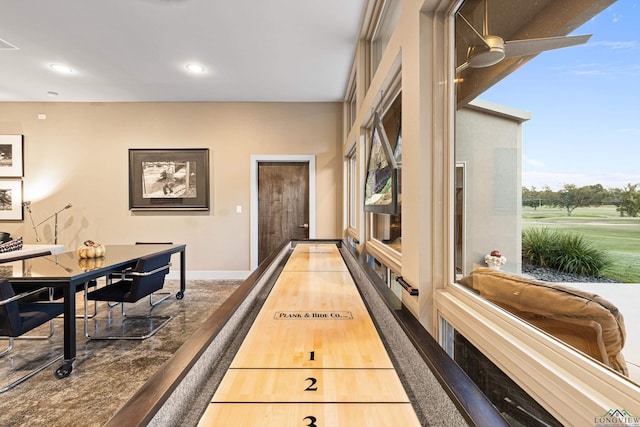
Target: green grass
x,y
618,236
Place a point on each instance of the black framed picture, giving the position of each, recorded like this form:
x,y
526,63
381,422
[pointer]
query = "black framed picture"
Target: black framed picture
x,y
11,200
11,160
381,185
169,179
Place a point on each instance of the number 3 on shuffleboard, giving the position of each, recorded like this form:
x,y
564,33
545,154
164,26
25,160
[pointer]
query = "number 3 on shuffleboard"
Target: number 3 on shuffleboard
x,y
312,421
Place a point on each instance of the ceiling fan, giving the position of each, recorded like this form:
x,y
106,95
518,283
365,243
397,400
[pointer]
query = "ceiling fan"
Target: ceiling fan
x,y
486,49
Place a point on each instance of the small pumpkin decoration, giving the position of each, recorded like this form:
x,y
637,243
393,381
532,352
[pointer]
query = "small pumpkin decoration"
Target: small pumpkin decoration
x,y
91,250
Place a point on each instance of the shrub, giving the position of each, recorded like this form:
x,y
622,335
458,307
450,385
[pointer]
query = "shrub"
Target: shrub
x,y
563,251
537,246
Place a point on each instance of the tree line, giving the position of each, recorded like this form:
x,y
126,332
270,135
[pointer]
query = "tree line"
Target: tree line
x,y
570,197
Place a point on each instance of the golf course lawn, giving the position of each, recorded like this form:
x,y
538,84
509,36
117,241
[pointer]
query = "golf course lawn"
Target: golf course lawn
x,y
618,236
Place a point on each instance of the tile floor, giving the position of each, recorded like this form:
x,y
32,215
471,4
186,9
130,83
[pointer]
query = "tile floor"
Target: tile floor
x,y
106,373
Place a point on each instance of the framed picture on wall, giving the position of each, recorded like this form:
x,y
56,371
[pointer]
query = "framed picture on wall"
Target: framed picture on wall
x,y
11,200
11,160
169,179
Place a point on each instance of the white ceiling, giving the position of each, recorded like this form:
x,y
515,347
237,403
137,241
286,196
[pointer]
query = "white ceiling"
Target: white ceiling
x,y
136,50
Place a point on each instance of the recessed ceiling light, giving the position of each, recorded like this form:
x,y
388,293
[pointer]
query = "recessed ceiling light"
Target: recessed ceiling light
x,y
61,68
195,68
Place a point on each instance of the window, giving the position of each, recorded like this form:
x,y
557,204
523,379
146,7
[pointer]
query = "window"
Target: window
x,y
515,405
381,182
387,275
352,189
352,108
351,103
387,227
381,33
513,112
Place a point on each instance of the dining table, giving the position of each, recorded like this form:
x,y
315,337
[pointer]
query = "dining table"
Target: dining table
x,y
69,272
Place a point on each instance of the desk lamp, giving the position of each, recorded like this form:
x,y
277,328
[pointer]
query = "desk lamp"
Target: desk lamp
x,y
55,215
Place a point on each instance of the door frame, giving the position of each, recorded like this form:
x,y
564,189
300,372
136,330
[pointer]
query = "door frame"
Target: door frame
x,y
255,160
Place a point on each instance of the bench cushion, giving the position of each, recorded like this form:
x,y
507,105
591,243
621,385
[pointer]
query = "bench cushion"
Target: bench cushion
x,y
581,319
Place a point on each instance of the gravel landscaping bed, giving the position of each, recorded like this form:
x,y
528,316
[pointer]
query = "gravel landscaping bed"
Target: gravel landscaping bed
x,y
551,275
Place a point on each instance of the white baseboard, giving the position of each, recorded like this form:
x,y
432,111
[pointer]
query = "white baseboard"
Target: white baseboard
x,y
210,275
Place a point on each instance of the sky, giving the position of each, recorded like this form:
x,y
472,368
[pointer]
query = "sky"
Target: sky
x,y
585,106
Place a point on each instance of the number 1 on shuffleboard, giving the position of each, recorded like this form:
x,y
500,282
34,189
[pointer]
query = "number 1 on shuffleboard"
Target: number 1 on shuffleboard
x,y
312,355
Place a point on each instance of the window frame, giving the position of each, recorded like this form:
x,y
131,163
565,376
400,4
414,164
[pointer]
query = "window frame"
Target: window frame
x,y
543,366
351,101
383,20
352,190
386,254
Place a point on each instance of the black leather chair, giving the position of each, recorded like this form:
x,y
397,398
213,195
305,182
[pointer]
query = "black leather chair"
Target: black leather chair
x,y
20,314
144,279
165,295
116,276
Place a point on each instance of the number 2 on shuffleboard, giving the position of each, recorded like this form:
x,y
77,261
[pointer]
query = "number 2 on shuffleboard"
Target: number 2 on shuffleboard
x,y
312,420
311,386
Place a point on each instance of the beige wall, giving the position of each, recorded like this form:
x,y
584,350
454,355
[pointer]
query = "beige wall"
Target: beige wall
x,y
410,58
79,154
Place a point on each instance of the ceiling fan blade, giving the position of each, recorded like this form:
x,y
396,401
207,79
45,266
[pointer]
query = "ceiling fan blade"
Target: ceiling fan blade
x,y
527,47
468,32
462,67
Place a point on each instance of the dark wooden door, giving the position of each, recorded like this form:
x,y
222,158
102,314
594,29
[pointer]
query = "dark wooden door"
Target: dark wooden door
x,y
283,204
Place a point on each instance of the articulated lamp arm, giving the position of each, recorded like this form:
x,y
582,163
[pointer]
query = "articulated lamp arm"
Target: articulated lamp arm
x,y
54,215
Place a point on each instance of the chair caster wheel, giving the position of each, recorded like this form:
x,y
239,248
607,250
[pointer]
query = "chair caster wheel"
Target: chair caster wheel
x,y
179,295
64,370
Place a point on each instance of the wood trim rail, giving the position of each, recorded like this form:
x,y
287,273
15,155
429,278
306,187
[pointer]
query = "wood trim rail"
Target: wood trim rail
x,y
147,401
